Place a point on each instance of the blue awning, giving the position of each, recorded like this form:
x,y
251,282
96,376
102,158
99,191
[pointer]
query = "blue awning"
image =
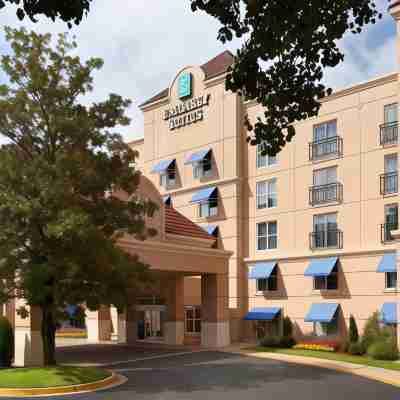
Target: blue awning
x,y
211,229
204,195
389,313
262,314
321,266
162,166
388,263
196,157
322,312
167,200
262,270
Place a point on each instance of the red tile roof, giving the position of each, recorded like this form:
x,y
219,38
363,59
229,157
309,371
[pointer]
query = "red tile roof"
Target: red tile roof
x,y
212,68
178,224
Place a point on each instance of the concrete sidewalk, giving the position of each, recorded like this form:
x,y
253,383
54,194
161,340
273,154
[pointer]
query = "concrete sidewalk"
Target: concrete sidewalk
x,y
379,374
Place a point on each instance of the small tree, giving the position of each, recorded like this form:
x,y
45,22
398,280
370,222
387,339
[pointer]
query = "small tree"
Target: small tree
x,y
287,327
372,331
353,331
58,227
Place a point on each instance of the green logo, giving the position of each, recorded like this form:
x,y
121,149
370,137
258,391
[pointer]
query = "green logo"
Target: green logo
x,y
185,85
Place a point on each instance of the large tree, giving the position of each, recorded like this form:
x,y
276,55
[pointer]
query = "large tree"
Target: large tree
x,y
286,46
59,221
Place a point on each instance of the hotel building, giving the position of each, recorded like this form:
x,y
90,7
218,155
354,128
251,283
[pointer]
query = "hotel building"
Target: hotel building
x,y
312,232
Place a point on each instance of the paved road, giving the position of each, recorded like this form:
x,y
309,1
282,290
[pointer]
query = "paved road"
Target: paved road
x,y
221,376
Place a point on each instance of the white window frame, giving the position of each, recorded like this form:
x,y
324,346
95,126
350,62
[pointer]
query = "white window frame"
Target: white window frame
x,y
387,280
268,196
267,236
198,168
264,161
194,319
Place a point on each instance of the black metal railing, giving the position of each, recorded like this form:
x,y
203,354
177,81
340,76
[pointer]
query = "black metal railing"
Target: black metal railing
x,y
324,148
389,133
321,194
386,229
324,239
389,183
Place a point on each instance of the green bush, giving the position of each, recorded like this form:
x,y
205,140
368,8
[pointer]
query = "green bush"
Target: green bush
x,y
270,341
353,331
372,331
287,327
384,349
356,349
287,342
6,343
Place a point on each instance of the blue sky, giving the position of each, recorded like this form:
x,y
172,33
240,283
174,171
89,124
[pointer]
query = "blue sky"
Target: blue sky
x,y
145,42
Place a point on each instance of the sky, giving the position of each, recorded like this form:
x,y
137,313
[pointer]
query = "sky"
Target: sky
x,y
145,42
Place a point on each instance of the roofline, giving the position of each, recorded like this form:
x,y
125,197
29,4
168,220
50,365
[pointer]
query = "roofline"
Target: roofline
x,y
136,141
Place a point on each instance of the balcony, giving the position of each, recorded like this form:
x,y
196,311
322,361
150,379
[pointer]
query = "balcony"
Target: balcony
x,y
325,148
323,194
389,183
389,133
326,239
386,229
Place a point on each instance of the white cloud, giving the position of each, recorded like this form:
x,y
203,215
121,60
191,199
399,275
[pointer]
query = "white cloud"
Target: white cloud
x,y
144,43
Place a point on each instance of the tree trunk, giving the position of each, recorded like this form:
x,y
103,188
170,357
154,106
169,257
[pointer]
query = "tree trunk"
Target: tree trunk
x,y
49,335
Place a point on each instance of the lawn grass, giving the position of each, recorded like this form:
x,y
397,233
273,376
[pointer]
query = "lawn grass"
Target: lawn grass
x,y
361,360
49,377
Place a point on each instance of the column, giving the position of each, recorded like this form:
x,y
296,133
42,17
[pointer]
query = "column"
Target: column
x,y
215,310
114,323
175,323
28,345
98,324
127,326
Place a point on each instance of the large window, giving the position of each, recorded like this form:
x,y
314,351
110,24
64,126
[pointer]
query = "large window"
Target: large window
x,y
391,221
267,235
208,208
203,168
325,142
325,231
266,194
325,176
329,282
323,329
391,113
268,284
391,280
192,320
325,131
263,160
168,178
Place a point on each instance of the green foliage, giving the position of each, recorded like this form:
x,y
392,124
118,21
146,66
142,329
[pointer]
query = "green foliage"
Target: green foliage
x,y
67,184
384,349
6,342
372,331
68,11
280,64
353,331
287,327
356,348
284,342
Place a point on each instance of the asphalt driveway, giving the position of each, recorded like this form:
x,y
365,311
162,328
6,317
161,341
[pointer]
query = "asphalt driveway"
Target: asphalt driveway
x,y
210,375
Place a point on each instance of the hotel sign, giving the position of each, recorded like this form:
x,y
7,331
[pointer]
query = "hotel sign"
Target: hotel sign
x,y
187,112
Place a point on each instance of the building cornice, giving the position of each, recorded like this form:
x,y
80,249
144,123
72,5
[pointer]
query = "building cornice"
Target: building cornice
x,y
189,239
250,260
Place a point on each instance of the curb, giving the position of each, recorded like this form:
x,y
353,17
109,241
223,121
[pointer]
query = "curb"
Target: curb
x,y
107,383
354,369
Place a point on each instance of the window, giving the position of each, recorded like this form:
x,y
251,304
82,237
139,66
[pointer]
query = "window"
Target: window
x,y
266,194
168,178
267,235
192,320
270,284
391,280
325,176
329,282
326,328
203,168
325,187
390,113
325,230
264,160
324,131
209,208
391,214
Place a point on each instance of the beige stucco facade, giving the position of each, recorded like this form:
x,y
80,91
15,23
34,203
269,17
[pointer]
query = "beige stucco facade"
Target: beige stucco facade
x,y
358,113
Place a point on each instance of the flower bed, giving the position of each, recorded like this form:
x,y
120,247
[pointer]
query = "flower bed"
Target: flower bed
x,y
318,345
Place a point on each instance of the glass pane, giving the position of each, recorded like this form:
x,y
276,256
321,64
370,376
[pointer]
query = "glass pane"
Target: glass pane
x,y
272,228
319,132
319,283
391,163
332,282
272,242
197,326
272,160
262,243
189,325
272,283
391,113
261,285
331,218
189,313
197,313
391,280
261,188
331,129
261,229
391,214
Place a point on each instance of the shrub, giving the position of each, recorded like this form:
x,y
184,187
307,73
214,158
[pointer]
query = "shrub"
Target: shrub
x,y
384,349
287,327
6,342
353,331
356,349
287,342
372,331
